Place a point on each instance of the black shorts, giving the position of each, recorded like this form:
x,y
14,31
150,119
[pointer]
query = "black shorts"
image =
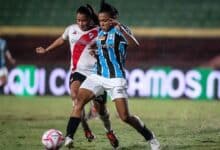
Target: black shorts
x,y
76,76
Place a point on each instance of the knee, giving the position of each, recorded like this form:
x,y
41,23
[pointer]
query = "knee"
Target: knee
x,y
78,105
125,118
73,94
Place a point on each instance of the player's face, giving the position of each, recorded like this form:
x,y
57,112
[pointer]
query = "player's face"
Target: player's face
x,y
104,21
83,21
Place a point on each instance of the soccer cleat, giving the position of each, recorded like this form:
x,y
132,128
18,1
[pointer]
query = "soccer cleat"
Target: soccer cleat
x,y
154,143
113,139
68,142
89,135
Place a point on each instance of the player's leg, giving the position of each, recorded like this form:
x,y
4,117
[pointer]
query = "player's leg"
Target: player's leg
x,y
92,112
75,81
123,112
100,106
87,91
87,131
83,97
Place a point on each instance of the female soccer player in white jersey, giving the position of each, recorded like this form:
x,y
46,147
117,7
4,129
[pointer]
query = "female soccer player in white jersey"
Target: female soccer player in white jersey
x,y
81,37
110,76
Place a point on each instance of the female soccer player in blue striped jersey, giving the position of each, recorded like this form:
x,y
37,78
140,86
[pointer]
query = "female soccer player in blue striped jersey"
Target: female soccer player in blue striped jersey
x,y
110,76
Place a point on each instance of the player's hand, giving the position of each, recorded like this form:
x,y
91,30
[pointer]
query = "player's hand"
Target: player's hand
x,y
115,23
41,50
13,61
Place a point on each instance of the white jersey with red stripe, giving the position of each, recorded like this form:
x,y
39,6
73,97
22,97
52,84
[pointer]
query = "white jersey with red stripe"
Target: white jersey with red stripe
x,y
80,42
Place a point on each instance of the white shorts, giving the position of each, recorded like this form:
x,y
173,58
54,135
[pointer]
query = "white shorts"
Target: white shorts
x,y
3,71
116,87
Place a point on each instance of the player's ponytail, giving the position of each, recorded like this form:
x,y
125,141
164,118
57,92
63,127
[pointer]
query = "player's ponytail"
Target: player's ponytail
x,y
111,10
93,14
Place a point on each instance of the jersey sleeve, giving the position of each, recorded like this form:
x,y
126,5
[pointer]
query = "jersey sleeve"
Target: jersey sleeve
x,y
65,34
122,40
4,46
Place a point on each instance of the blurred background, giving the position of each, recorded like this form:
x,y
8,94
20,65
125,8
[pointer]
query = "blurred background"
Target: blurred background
x,y
179,55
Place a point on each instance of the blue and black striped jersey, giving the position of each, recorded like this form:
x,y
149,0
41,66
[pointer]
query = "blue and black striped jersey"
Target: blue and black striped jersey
x,y
111,53
3,49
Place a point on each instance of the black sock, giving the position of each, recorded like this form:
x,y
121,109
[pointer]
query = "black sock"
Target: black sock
x,y
72,126
147,134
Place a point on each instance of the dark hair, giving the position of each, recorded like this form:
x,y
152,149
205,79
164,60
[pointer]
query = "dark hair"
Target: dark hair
x,y
111,10
89,12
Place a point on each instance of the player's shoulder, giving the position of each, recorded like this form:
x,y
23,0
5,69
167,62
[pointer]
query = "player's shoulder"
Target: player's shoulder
x,y
115,30
72,26
94,30
2,41
97,28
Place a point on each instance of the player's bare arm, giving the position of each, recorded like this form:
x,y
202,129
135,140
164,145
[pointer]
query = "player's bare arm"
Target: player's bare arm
x,y
58,42
129,37
10,58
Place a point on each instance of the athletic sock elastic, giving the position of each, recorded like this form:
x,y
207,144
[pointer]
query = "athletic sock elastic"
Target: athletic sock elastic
x,y
72,126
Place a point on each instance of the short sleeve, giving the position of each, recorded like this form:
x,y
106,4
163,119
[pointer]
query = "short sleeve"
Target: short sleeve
x,y
65,35
3,45
6,47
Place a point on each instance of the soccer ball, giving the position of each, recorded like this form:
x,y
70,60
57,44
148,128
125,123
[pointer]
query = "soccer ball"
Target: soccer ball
x,y
52,139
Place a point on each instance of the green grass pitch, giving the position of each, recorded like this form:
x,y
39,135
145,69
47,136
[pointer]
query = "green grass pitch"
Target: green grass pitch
x,y
178,124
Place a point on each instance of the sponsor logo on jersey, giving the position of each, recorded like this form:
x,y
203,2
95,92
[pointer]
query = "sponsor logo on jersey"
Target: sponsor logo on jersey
x,y
74,32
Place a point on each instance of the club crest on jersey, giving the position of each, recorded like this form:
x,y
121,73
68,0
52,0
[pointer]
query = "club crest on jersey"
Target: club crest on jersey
x,y
102,38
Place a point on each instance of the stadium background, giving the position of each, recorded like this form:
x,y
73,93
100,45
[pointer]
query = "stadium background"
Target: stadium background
x,y
178,38
179,43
